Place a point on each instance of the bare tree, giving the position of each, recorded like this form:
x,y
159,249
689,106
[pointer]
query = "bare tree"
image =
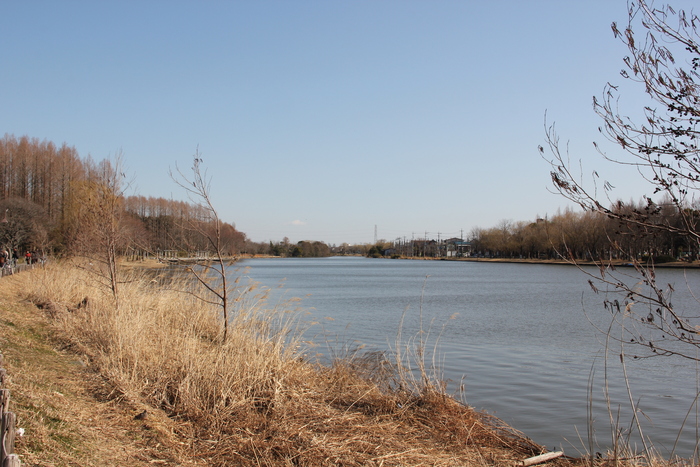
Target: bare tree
x,y
659,141
96,218
24,225
212,275
662,146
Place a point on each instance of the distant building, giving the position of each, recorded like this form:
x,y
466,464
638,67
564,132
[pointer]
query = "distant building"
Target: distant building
x,y
457,247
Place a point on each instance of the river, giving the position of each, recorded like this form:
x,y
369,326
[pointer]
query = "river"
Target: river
x,y
518,338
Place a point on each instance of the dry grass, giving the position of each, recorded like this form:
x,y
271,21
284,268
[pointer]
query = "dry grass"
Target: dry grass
x,y
252,400
68,411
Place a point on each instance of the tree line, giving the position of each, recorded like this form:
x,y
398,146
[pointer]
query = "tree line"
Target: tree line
x,y
49,190
573,235
52,199
302,249
593,235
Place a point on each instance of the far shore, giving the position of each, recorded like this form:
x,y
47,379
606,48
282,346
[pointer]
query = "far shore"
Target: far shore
x,y
615,263
154,263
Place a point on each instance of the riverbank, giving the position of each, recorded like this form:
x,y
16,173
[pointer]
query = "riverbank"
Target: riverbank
x,y
150,382
614,263
153,263
68,412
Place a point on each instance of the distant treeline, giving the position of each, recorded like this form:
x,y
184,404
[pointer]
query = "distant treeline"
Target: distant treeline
x,y
629,233
305,249
591,235
46,190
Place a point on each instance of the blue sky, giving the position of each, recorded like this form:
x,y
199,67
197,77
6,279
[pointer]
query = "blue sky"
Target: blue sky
x,y
323,119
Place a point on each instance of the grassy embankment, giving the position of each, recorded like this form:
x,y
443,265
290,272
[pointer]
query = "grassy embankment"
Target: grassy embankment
x,y
81,370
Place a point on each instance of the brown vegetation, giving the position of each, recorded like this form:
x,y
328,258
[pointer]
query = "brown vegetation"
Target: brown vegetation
x,y
589,236
49,195
253,400
48,192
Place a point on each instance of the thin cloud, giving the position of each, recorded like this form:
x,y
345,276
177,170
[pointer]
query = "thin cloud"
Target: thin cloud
x,y
298,222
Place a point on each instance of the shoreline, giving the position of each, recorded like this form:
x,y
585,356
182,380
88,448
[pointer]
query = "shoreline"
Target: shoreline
x,y
51,372
154,263
125,420
614,263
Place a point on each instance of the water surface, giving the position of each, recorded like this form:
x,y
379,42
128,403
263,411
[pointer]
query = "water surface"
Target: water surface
x,y
518,336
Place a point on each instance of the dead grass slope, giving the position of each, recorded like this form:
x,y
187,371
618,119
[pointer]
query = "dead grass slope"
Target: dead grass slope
x,y
80,370
69,412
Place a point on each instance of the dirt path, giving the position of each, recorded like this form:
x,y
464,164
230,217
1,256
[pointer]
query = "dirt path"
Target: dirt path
x,y
69,415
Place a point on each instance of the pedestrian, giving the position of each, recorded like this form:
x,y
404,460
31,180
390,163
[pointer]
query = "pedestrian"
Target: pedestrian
x,y
28,257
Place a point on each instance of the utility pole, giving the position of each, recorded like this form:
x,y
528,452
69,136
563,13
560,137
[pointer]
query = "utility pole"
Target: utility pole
x,y
375,234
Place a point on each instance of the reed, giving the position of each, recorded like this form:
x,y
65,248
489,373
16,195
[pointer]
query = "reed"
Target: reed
x,y
164,345
255,398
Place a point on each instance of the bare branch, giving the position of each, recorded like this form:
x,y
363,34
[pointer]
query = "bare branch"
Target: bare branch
x,y
198,188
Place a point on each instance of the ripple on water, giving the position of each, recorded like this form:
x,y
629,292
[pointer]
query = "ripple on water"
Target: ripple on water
x,y
522,342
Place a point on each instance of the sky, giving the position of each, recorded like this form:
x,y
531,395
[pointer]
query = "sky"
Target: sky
x,y
324,120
